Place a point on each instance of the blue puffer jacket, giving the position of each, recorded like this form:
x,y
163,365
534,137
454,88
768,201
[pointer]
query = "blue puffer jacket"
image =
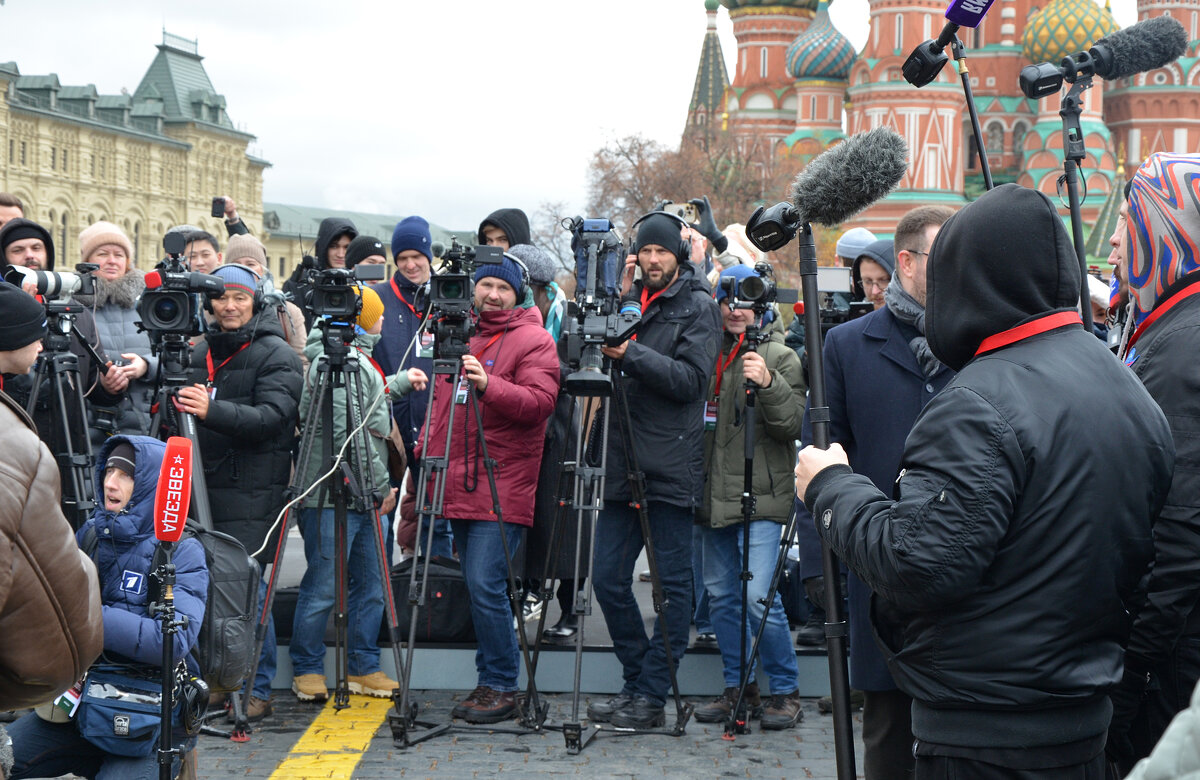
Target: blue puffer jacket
x,y
124,550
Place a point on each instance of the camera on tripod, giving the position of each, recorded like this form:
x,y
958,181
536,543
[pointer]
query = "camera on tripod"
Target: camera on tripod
x,y
170,303
333,291
452,297
755,292
597,317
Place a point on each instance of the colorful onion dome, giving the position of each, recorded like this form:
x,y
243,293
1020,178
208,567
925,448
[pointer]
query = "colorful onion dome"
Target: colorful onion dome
x,y
820,52
1065,27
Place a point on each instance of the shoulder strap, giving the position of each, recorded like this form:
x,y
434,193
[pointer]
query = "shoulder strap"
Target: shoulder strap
x,y
90,540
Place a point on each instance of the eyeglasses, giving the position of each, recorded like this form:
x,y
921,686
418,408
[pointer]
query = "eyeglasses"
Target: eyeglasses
x,y
915,252
880,284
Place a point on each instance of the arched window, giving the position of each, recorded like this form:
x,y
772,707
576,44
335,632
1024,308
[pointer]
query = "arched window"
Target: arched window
x,y
137,240
899,32
762,62
64,221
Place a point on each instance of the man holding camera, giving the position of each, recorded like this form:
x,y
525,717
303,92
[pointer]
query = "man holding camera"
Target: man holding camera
x,y
774,369
512,368
246,402
667,367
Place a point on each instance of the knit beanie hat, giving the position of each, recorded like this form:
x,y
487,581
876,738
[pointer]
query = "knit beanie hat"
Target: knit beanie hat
x,y
660,229
244,245
237,278
372,307
508,270
541,267
1163,226
412,233
123,457
853,242
19,229
738,272
363,247
95,236
24,320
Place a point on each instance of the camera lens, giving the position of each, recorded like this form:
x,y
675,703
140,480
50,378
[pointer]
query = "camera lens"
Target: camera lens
x,y
752,288
165,310
335,301
453,289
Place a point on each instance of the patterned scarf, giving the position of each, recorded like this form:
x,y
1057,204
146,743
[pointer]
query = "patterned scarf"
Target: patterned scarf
x,y
905,308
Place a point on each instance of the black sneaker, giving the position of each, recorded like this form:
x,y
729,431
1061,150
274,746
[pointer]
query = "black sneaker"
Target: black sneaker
x,y
717,710
641,713
601,711
812,633
782,711
466,705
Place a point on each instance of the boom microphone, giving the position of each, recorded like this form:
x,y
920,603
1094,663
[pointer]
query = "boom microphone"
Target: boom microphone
x,y
174,492
967,13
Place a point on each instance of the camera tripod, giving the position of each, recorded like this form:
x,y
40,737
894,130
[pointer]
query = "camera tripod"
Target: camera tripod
x,y
403,720
587,475
68,435
348,484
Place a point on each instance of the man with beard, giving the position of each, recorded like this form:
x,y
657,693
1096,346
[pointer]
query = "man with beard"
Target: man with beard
x,y
666,369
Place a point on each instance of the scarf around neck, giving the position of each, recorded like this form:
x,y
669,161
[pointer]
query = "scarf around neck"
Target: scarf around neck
x,y
906,309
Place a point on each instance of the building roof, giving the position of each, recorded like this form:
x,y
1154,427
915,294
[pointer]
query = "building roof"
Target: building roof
x,y
708,93
178,79
1065,27
821,51
288,220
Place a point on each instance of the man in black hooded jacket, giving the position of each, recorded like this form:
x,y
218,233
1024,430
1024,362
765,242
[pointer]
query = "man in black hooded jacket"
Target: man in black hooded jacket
x,y
504,228
333,237
1002,570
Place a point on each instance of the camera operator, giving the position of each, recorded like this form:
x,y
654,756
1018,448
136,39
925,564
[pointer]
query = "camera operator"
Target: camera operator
x,y
127,474
1002,570
668,366
118,285
50,622
364,591
29,245
250,252
246,402
334,235
779,404
513,366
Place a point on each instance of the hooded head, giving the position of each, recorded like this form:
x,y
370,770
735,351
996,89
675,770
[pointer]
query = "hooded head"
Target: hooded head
x,y
143,456
21,229
513,222
1164,226
883,254
330,230
998,262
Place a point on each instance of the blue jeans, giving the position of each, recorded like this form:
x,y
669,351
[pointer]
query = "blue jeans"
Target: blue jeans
x,y
618,544
481,553
364,593
44,749
265,674
722,579
700,615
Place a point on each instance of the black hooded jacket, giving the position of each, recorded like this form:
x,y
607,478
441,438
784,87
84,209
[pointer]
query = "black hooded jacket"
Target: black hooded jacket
x,y
246,438
513,222
298,285
1003,568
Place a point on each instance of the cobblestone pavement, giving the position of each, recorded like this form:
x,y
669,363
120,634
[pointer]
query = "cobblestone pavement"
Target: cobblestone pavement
x,y
804,752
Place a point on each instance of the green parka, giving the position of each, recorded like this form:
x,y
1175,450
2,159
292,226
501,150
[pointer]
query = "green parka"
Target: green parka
x,y
778,414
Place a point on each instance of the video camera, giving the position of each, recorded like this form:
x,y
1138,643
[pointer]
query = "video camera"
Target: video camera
x,y
56,288
170,305
452,297
598,316
332,294
836,286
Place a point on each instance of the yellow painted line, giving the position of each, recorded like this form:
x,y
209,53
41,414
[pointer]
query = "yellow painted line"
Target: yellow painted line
x,y
335,741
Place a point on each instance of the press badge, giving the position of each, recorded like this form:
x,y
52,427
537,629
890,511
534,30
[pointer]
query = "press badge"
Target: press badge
x,y
460,394
710,415
426,348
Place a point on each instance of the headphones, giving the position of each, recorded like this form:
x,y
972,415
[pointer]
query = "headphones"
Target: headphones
x,y
258,289
684,250
525,280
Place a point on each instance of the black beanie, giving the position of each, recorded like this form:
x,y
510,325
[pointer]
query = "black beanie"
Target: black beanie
x,y
18,229
122,456
22,318
660,229
363,247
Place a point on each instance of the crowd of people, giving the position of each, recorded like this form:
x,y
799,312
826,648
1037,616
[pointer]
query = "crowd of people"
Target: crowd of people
x,y
1015,505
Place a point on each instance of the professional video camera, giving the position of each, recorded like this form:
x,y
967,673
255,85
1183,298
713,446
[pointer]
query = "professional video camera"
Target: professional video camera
x,y
597,317
452,297
332,294
835,285
169,306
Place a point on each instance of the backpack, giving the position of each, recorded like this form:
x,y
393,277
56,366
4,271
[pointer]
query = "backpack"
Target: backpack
x,y
225,648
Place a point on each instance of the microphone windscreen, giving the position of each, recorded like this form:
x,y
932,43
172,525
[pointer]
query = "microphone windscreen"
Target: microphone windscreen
x,y
1145,46
968,13
174,492
153,280
849,177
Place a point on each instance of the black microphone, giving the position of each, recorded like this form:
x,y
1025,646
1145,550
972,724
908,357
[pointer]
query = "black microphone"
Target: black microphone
x,y
1147,45
834,186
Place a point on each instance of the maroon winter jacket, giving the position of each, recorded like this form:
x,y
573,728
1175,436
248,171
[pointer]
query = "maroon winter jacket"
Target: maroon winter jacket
x,y
522,366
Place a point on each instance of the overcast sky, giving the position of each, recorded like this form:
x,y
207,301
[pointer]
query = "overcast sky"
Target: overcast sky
x,y
444,108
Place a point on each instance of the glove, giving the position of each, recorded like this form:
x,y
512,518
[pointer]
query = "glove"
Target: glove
x,y
1126,697
707,225
814,589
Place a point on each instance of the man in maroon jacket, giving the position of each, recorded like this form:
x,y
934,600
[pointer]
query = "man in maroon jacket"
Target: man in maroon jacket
x,y
513,368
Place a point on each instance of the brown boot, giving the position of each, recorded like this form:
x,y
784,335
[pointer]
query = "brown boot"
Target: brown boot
x,y
492,706
466,705
782,711
719,708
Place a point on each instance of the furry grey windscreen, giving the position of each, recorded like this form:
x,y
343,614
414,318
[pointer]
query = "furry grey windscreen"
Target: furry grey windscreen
x,y
844,180
1145,46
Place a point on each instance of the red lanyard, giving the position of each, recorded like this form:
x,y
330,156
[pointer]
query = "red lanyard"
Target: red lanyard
x,y
1191,289
212,372
396,289
646,301
720,370
1040,325
488,346
377,366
